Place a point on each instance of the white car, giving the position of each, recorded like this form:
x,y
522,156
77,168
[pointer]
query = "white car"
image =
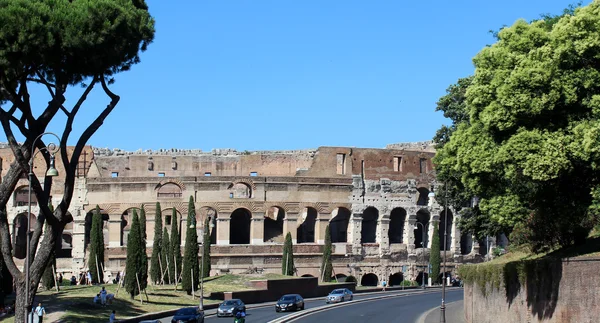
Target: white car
x,y
339,295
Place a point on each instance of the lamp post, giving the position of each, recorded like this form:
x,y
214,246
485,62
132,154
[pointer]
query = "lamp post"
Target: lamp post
x,y
201,304
51,172
443,307
423,252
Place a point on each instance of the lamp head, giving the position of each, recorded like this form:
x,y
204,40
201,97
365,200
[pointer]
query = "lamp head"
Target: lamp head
x,y
52,171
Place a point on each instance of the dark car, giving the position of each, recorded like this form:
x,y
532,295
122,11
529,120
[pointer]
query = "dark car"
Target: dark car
x,y
339,295
290,302
188,315
231,307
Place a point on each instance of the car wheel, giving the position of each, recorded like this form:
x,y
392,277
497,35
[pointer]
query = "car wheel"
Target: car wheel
x,y
302,308
277,310
351,297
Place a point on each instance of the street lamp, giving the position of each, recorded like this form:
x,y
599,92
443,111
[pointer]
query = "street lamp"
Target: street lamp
x,y
443,307
201,305
423,252
51,172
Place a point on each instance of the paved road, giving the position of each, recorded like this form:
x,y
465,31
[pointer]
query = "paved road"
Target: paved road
x,y
267,313
396,309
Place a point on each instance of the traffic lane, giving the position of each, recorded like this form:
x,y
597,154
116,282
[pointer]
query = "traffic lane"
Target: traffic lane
x,y
396,309
267,313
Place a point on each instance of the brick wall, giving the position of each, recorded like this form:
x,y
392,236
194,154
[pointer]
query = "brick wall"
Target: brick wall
x,y
566,291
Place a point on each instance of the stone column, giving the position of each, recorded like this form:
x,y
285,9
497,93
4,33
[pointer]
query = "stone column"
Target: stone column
x,y
78,252
409,233
354,234
474,246
432,225
290,224
455,239
383,237
223,220
257,228
320,226
114,230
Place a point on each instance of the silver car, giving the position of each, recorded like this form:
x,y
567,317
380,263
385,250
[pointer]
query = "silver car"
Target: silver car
x,y
339,295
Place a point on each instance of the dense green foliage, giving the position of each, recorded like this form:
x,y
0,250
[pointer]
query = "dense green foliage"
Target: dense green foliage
x,y
326,265
134,257
287,260
155,273
191,271
435,256
166,255
96,253
175,256
351,279
528,148
206,249
144,269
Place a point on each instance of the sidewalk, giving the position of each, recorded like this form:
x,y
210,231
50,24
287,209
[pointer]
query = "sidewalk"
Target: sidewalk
x,y
454,314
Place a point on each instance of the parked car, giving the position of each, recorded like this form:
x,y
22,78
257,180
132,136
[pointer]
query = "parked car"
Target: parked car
x,y
188,315
289,302
339,295
231,307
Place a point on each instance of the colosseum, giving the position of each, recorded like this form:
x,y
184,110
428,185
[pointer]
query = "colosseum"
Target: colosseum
x,y
377,202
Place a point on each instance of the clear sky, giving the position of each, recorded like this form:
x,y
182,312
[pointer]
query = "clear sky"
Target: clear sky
x,y
279,75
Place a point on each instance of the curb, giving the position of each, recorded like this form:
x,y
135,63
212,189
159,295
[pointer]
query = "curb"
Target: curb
x,y
421,318
293,317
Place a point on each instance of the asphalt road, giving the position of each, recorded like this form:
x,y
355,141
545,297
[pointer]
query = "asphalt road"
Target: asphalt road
x,y
267,313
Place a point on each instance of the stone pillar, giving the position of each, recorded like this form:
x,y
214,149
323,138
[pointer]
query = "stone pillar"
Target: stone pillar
x,y
223,220
432,225
383,237
354,234
290,224
183,229
455,239
78,252
257,228
474,246
320,226
114,230
409,233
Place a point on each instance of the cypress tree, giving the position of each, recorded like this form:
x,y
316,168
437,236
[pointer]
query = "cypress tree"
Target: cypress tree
x,y
434,258
167,253
144,271
326,266
287,262
156,247
134,257
175,260
190,261
96,248
206,249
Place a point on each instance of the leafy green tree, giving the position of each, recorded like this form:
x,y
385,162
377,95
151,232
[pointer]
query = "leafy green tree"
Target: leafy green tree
x,y
134,263
57,45
167,253
191,271
96,254
287,260
144,270
155,264
206,250
175,261
528,150
434,257
327,266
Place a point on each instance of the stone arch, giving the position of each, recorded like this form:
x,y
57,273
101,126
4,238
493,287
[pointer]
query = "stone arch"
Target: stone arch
x,y
210,213
240,190
422,278
126,219
396,279
273,224
369,279
305,233
65,246
423,217
423,198
338,226
239,226
20,235
466,243
169,190
307,275
397,220
448,227
88,226
368,232
21,197
170,180
169,218
441,276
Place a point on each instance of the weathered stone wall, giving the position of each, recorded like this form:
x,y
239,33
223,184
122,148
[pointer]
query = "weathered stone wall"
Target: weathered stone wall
x,y
566,291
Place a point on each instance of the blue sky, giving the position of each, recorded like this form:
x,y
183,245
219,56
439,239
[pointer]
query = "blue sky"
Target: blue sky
x,y
275,75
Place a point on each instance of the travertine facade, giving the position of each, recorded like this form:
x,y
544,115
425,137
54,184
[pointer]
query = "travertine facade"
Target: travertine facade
x,y
371,198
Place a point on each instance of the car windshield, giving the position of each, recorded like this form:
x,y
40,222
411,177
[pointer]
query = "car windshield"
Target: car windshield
x,y
338,291
227,303
186,311
288,298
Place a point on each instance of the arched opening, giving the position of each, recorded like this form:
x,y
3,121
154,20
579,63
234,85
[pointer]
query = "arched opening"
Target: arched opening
x,y
239,227
88,227
484,245
274,225
307,275
422,278
369,280
369,225
65,246
423,196
441,277
169,190
396,279
20,235
421,234
396,230
21,197
466,243
338,227
306,231
448,227
240,191
170,217
339,278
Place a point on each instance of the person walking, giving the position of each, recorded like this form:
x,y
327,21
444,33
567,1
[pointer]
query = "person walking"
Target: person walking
x,y
112,318
89,278
40,311
103,296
